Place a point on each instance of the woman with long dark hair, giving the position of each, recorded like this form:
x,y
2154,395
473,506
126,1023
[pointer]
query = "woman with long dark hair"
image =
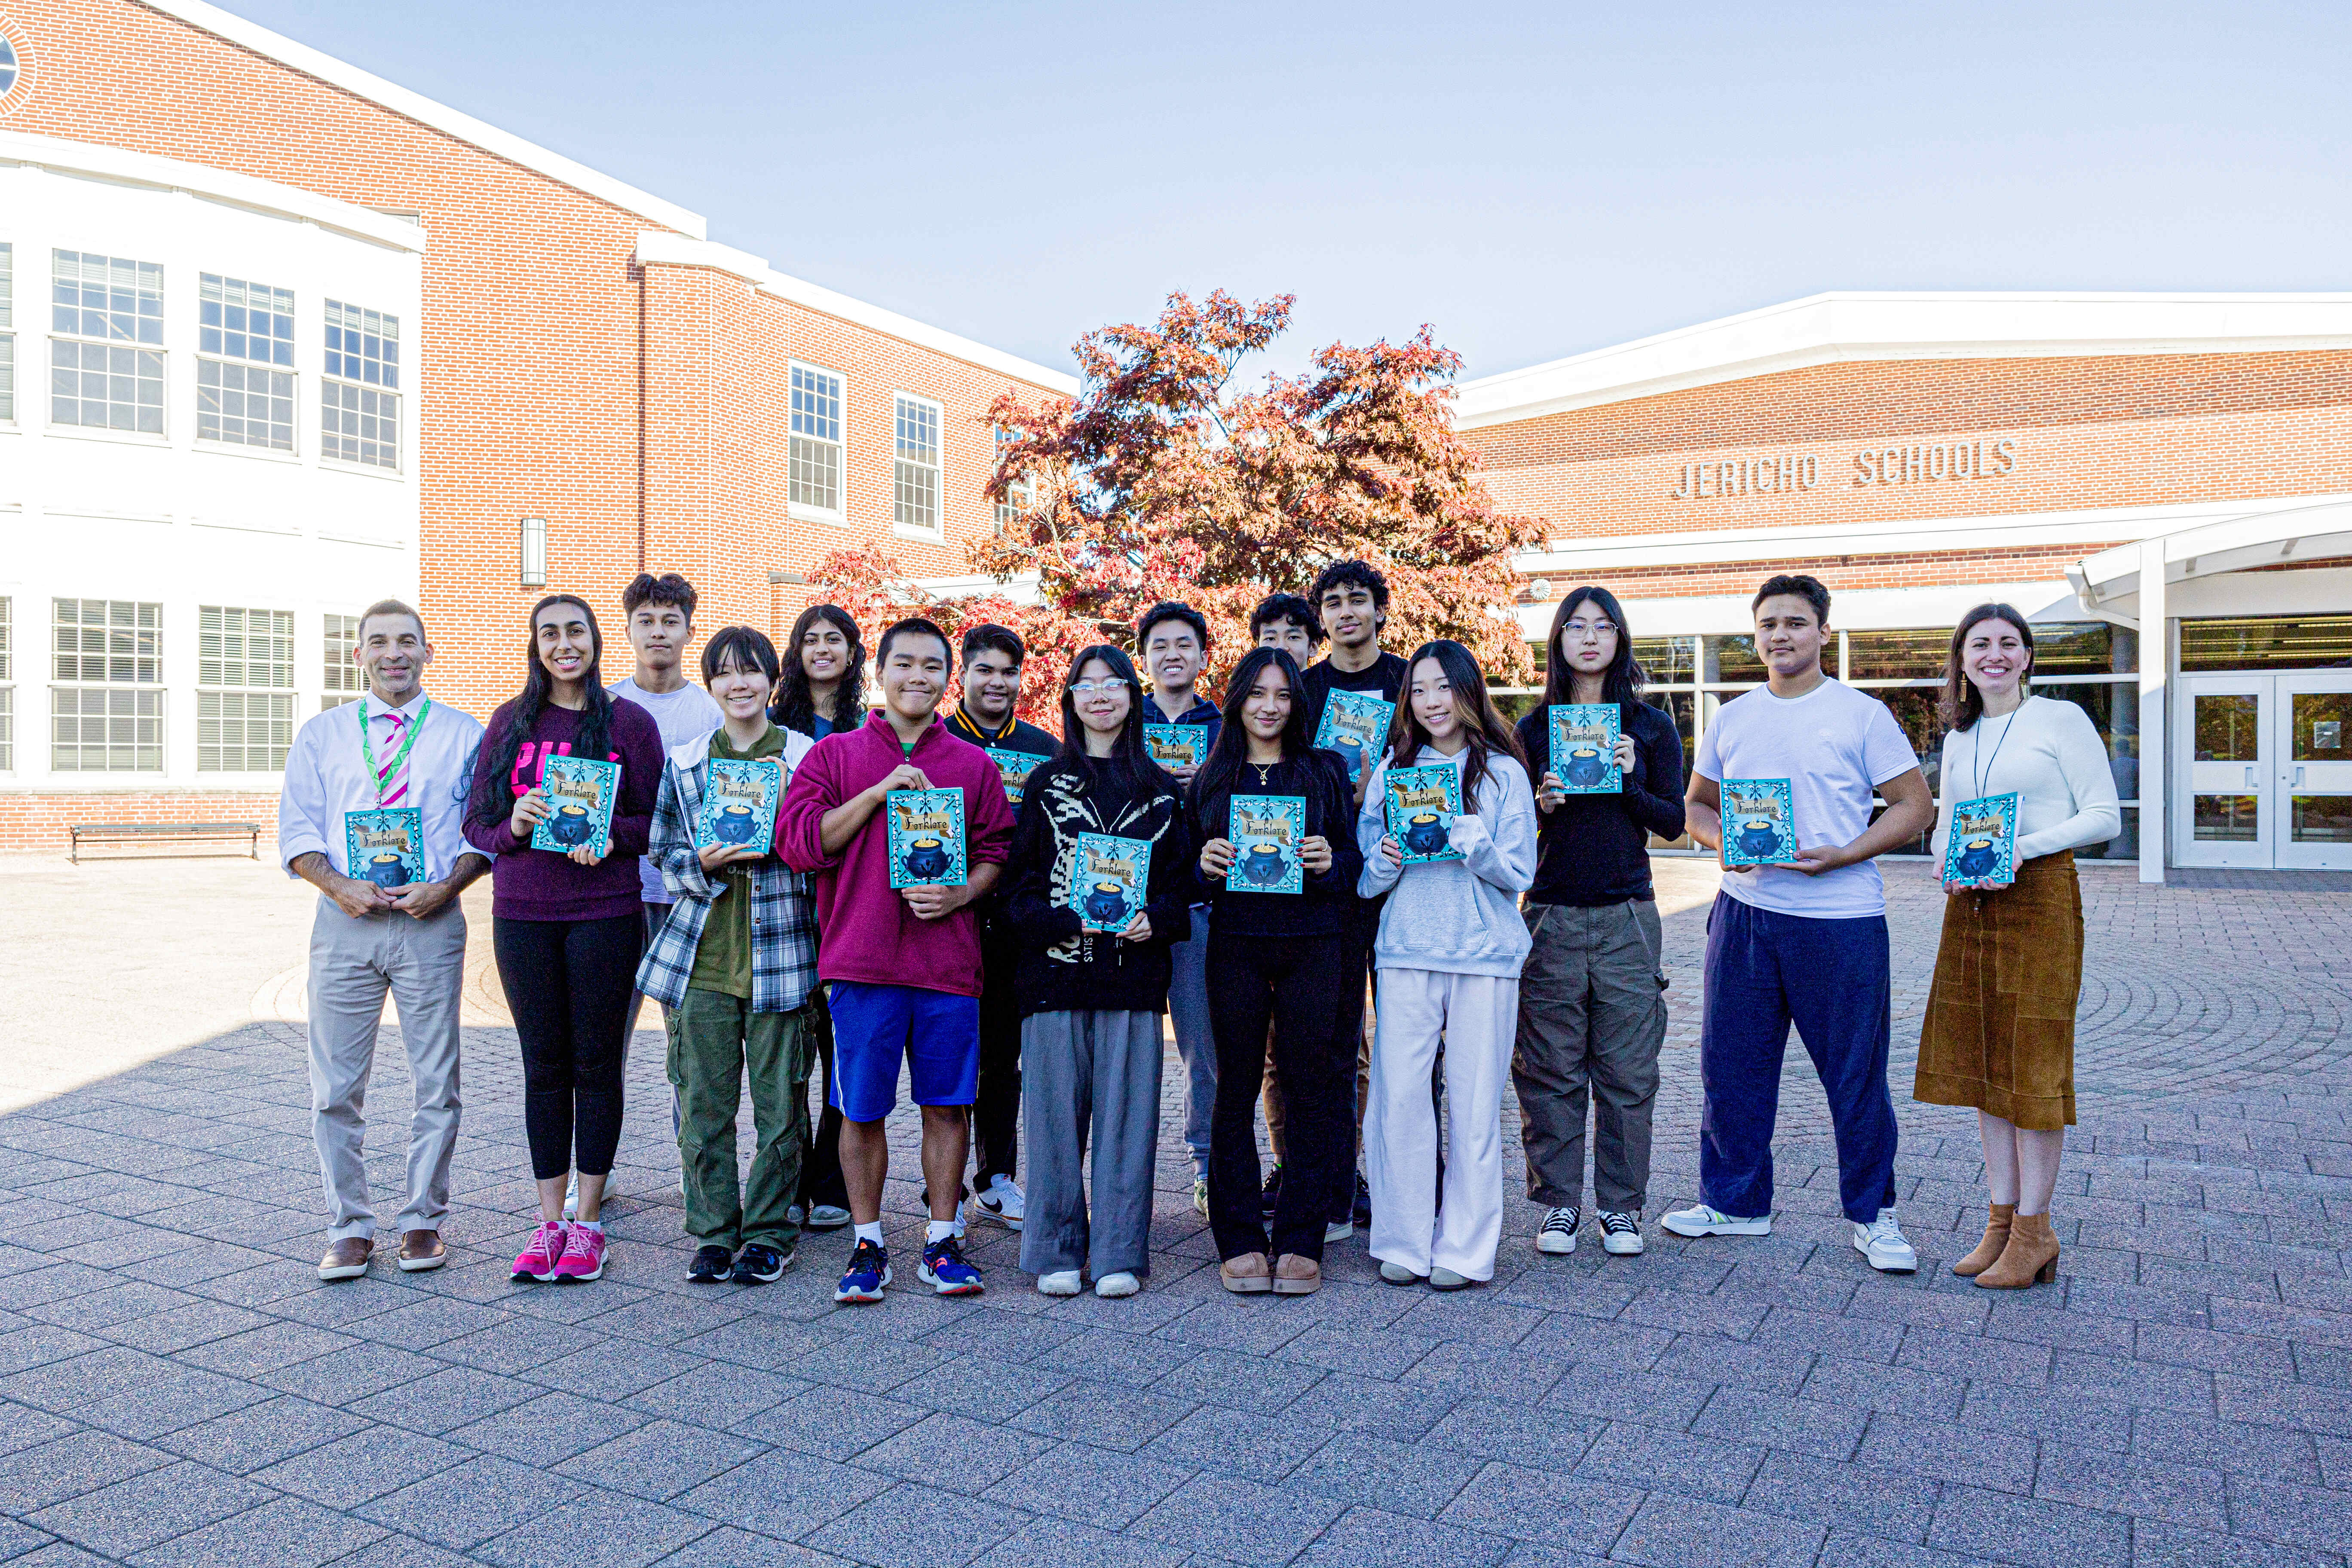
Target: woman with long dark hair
x,y
1274,956
1448,952
1592,1010
1093,986
2000,1030
824,684
567,925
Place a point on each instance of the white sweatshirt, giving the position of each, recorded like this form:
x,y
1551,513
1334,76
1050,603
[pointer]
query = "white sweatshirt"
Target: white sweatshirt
x,y
2047,754
1457,917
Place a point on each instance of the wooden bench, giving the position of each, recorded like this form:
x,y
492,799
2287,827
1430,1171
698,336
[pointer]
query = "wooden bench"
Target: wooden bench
x,y
154,832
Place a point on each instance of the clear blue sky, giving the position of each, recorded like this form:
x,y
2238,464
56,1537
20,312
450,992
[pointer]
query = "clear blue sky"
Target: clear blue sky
x,y
1534,181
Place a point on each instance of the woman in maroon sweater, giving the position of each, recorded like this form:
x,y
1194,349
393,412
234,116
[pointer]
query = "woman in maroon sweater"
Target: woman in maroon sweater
x,y
566,926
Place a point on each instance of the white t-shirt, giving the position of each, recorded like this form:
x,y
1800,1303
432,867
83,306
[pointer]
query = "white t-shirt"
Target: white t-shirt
x,y
686,714
1834,745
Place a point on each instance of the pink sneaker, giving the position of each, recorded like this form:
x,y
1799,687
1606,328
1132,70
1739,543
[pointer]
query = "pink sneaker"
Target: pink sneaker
x,y
584,1255
541,1257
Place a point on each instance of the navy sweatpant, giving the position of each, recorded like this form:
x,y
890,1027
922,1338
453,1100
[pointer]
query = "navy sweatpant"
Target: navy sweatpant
x,y
1764,969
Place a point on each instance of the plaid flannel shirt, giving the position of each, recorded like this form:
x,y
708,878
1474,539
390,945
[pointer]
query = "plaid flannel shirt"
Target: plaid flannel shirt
x,y
783,917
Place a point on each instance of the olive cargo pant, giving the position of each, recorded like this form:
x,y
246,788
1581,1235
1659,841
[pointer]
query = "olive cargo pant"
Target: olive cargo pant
x,y
714,1040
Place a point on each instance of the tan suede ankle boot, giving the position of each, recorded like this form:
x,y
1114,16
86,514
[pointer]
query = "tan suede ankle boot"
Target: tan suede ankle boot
x,y
1988,1252
2030,1258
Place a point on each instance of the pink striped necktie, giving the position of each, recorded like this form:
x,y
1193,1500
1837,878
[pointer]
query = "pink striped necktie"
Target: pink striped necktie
x,y
392,778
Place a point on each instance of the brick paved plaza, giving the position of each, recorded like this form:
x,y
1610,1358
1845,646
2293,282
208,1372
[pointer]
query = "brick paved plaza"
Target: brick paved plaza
x,y
176,1387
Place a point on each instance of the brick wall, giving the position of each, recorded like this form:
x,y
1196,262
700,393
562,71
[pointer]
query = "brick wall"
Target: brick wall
x,y
36,823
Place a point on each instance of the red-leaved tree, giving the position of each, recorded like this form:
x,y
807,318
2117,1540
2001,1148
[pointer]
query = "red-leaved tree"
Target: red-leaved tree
x,y
1168,479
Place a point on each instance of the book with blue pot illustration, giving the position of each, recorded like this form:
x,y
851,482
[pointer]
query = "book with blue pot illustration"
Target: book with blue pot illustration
x,y
1109,876
1356,726
1266,831
926,837
1177,745
581,795
1981,851
386,847
738,803
1584,747
1760,822
1015,768
1421,805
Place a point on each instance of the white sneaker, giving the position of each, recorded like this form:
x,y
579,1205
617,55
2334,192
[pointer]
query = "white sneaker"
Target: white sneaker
x,y
1621,1233
1002,1202
1110,1286
1337,1230
1065,1283
1201,1196
1443,1278
827,1216
1700,1220
1882,1243
1558,1236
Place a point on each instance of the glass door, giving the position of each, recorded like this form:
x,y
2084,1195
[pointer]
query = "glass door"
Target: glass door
x,y
2224,804
2314,747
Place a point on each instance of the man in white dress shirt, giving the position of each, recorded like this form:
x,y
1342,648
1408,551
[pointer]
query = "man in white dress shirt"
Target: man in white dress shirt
x,y
394,923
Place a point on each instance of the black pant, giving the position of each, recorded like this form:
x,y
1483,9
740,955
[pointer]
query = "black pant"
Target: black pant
x,y
996,1112
568,984
1297,982
821,1178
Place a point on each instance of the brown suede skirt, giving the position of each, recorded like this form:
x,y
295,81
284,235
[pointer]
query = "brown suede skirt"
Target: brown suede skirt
x,y
2000,1030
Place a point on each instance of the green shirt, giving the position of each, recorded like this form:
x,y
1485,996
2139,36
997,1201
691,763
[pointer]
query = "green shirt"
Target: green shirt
x,y
723,961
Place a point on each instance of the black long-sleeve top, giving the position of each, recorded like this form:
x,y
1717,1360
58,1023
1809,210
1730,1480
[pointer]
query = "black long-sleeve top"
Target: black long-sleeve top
x,y
1062,967
1595,848
1322,907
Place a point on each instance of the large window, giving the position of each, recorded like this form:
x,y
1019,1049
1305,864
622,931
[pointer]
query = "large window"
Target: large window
x,y
343,679
8,334
245,696
1021,495
245,374
359,397
914,466
816,456
106,708
106,360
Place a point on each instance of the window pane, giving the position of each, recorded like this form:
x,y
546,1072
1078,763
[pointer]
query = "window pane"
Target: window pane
x,y
1665,660
915,490
2084,648
341,673
7,730
1731,658
245,647
1919,708
2320,818
103,388
2114,712
243,732
362,346
2226,818
1910,654
107,641
245,406
2268,642
2225,728
359,424
106,730
815,474
816,404
917,427
2319,722
106,297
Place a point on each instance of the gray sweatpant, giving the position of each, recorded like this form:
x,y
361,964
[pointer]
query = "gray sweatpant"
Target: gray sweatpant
x,y
1089,1077
1591,1019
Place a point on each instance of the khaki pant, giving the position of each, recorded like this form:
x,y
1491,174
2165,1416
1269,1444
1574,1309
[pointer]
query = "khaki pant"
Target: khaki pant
x,y
714,1040
1591,1020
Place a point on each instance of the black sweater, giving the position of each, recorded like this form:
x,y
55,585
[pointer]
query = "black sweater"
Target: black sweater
x,y
1595,848
1322,907
1063,968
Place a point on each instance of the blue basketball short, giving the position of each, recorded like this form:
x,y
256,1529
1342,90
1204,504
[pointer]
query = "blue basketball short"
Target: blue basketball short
x,y
875,1026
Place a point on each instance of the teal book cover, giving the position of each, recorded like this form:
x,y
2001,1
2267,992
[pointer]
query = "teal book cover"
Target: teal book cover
x,y
581,795
1109,876
1981,849
1015,768
1584,747
926,827
1177,745
1421,804
1760,822
1266,831
1356,726
385,847
738,803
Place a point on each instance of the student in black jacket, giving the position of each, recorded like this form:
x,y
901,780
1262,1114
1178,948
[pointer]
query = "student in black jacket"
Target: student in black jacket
x,y
1591,1017
1279,956
1091,999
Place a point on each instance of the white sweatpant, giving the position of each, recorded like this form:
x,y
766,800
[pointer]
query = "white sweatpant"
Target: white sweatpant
x,y
1477,1015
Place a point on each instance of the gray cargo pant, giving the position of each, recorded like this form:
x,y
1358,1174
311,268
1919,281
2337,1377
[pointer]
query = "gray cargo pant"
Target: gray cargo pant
x,y
1089,1077
1591,1019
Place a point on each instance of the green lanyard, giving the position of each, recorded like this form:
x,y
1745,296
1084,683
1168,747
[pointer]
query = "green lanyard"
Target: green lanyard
x,y
367,747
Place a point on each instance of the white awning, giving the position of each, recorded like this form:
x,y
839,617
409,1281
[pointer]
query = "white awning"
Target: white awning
x,y
2108,584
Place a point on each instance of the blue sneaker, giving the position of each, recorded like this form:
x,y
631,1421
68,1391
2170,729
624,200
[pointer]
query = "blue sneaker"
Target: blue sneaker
x,y
869,1271
945,1271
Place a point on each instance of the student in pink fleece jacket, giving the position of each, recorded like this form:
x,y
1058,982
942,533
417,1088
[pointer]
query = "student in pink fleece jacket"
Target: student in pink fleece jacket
x,y
902,966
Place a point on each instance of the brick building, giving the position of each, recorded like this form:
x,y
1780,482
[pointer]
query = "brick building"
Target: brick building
x,y
279,338
2159,481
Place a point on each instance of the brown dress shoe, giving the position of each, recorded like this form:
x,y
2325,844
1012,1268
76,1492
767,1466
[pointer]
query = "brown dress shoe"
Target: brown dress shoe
x,y
2030,1258
1297,1276
347,1259
1988,1252
420,1251
1246,1275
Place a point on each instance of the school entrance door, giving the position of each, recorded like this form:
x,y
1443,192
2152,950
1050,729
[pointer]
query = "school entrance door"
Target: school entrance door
x,y
2265,771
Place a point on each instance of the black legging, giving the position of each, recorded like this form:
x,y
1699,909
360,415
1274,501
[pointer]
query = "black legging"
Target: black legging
x,y
568,984
1295,981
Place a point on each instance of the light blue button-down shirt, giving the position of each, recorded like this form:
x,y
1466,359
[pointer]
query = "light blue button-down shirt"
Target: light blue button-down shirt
x,y
327,775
